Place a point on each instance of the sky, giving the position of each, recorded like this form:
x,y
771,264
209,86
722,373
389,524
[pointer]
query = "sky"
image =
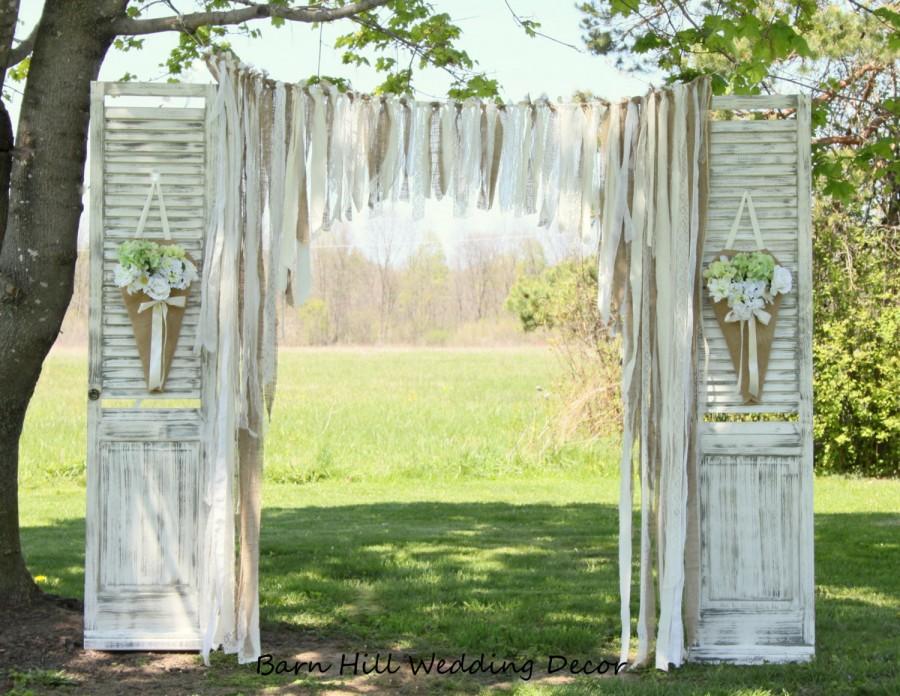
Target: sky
x,y
522,65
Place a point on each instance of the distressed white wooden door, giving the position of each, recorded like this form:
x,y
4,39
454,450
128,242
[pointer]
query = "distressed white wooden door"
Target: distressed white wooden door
x,y
752,491
145,464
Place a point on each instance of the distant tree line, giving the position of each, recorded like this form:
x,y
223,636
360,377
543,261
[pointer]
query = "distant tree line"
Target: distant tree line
x,y
389,294
392,292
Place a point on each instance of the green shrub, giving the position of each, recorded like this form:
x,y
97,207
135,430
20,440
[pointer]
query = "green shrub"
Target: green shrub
x,y
563,299
856,341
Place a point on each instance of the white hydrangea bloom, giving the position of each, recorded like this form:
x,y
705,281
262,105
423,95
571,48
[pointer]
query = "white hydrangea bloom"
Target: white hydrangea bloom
x,y
171,269
187,275
139,284
158,287
719,288
123,276
735,292
190,271
781,281
754,289
741,310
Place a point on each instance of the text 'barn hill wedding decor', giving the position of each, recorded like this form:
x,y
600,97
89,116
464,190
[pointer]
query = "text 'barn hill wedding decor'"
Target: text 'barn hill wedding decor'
x,y
253,169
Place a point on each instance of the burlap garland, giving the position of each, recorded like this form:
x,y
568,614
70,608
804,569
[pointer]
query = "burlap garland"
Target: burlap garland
x,y
765,334
142,326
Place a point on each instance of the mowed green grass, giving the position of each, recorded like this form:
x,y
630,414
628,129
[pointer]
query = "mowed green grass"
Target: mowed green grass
x,y
412,505
353,415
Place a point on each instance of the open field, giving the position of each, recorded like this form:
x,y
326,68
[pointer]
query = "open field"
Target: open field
x,y
412,506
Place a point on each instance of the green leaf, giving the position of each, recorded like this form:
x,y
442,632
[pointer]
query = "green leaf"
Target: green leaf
x,y
648,42
890,15
623,8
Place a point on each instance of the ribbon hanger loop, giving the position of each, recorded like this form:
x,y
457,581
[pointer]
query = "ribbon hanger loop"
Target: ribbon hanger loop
x,y
155,187
746,199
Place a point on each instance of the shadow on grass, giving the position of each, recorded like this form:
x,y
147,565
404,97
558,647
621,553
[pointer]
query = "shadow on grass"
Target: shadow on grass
x,y
489,577
524,580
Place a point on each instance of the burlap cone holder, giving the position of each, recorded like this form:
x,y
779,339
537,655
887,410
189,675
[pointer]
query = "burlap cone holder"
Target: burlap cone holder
x,y
738,335
164,317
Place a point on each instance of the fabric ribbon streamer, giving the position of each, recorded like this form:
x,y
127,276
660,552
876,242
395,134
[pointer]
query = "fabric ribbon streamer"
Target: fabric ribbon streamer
x,y
526,114
318,162
468,174
160,310
536,160
636,167
419,158
762,317
448,149
651,232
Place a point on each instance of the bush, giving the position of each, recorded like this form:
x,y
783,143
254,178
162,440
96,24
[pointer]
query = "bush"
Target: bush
x,y
563,299
856,339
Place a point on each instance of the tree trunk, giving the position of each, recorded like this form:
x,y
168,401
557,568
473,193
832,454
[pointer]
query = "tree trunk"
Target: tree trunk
x,y
6,149
37,258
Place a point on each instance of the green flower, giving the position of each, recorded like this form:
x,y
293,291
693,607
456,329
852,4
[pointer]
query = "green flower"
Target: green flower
x,y
147,256
723,268
173,251
753,265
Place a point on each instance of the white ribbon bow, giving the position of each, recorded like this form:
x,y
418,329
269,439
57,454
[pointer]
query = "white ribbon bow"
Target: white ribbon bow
x,y
158,336
763,317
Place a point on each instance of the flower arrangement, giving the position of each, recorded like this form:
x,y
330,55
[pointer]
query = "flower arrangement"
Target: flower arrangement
x,y
152,268
748,280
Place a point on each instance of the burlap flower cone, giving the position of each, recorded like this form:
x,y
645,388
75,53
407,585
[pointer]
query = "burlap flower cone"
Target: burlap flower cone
x,y
142,324
740,354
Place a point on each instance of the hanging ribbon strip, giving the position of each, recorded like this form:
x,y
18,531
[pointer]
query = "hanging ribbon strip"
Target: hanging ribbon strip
x,y
654,197
763,317
160,310
219,336
321,155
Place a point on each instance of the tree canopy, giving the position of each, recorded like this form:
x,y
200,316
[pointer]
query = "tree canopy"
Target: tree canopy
x,y
411,30
842,53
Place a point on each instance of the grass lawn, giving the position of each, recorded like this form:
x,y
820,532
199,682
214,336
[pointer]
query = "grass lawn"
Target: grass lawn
x,y
411,505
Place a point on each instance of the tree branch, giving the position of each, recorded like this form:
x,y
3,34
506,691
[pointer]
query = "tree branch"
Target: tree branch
x,y
838,140
412,47
23,49
829,94
191,22
528,27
